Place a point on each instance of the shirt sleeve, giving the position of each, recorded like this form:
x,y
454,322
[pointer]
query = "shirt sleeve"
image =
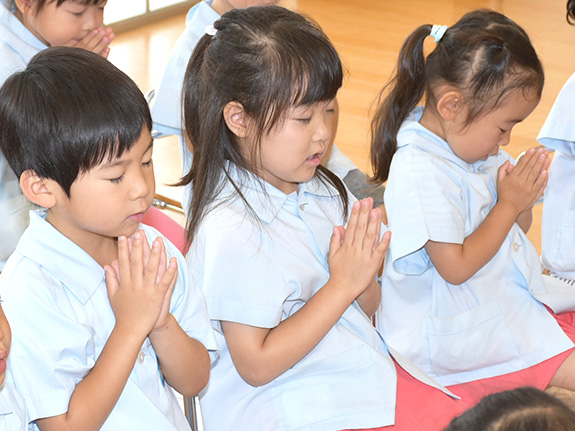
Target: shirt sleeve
x,y
233,261
425,201
51,352
558,131
188,304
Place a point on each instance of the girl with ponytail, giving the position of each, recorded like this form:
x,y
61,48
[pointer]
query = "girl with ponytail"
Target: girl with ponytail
x,y
463,295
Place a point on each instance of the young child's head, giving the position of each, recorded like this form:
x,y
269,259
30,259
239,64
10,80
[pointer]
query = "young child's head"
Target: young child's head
x,y
475,68
259,93
223,6
522,409
76,131
5,341
61,22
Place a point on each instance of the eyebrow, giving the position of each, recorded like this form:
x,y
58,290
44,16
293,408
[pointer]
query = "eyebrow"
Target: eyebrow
x,y
119,161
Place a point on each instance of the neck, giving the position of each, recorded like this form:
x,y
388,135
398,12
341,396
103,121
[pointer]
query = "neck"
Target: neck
x,y
221,6
431,122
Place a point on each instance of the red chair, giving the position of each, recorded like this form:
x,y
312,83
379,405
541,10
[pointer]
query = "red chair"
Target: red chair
x,y
167,226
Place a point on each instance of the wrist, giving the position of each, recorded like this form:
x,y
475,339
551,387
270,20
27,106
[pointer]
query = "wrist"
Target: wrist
x,y
509,208
163,326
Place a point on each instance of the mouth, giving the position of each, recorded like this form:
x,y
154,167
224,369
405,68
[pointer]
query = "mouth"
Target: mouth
x,y
138,217
3,360
315,160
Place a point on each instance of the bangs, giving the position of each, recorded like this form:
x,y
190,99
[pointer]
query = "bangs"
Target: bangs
x,y
318,84
301,73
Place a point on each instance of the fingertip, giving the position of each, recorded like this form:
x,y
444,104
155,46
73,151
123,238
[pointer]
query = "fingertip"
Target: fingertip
x,y
173,264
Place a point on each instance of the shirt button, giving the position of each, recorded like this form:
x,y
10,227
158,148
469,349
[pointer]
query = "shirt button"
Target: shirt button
x,y
516,247
141,357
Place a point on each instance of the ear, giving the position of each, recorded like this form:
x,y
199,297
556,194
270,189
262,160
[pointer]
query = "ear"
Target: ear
x,y
38,190
236,119
26,7
450,104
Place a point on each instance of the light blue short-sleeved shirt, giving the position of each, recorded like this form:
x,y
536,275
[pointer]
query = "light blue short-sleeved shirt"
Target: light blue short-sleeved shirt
x,y
490,325
17,46
558,223
13,415
259,270
56,301
167,108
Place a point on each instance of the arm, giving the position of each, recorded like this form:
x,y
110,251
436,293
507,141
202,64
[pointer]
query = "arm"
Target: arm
x,y
136,299
525,219
519,188
261,354
184,361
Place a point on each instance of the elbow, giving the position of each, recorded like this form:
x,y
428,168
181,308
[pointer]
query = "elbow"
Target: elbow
x,y
456,278
256,377
197,380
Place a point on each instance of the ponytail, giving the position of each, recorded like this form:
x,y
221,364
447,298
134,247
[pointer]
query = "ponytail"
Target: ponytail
x,y
485,55
404,90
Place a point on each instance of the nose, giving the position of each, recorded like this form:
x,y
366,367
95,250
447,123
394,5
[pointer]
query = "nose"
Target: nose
x,y
323,130
505,139
143,183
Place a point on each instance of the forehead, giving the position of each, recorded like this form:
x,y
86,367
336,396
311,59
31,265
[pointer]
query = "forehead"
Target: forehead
x,y
240,4
518,105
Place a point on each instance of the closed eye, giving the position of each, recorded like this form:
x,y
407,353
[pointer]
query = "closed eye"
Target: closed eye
x,y
148,163
117,180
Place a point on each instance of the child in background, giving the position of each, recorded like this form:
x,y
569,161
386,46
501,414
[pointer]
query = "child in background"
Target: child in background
x,y
26,28
12,408
521,409
103,325
463,294
290,295
558,222
167,111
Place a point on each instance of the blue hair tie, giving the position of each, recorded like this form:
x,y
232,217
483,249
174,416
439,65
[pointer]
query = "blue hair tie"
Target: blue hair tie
x,y
437,32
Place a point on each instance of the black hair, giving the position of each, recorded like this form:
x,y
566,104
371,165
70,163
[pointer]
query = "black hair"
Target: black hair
x,y
268,59
571,12
485,55
521,409
68,111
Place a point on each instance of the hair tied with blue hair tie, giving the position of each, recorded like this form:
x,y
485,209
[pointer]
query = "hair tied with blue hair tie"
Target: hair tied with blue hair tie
x,y
437,32
211,30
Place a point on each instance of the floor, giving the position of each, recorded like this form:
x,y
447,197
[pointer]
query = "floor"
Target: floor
x,y
368,35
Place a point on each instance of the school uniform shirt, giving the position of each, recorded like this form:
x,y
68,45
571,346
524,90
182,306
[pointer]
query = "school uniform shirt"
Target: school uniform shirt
x,y
260,268
12,409
558,222
167,107
490,325
17,46
56,301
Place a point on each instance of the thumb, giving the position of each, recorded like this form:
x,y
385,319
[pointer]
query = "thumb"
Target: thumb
x,y
336,240
503,170
112,282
